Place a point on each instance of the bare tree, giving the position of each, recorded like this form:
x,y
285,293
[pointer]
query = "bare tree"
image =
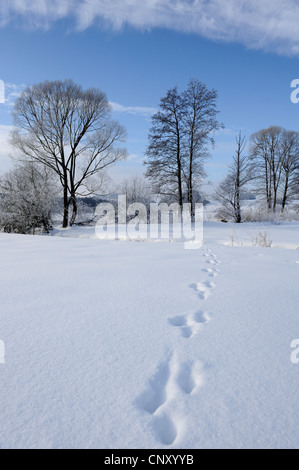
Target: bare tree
x,y
230,190
200,121
136,189
296,183
259,154
274,152
165,150
178,140
71,132
290,165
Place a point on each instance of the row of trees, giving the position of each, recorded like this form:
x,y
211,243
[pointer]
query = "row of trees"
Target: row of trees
x,y
65,140
275,154
179,141
271,166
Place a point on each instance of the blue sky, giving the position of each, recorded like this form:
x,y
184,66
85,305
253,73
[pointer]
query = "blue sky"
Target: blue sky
x,y
135,51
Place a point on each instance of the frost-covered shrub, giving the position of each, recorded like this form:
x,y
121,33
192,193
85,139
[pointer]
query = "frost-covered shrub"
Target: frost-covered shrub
x,y
260,213
28,196
261,239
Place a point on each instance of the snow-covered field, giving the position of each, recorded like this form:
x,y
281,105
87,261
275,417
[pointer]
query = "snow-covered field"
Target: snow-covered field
x,y
147,345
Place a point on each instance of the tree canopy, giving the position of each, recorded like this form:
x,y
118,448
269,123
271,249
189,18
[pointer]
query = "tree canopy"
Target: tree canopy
x,y
70,131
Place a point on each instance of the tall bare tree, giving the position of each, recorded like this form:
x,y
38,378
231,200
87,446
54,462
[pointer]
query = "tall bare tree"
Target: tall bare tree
x,y
274,152
178,139
71,132
165,152
200,122
230,191
290,165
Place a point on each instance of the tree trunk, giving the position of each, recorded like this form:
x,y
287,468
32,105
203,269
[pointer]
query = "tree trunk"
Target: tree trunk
x,y
75,210
179,166
268,187
190,190
65,209
190,179
238,208
180,187
285,194
274,192
238,185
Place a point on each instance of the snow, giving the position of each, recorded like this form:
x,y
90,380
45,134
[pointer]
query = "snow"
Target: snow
x,y
115,344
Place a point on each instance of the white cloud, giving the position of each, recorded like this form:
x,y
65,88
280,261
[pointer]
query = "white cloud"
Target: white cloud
x,y
12,92
271,25
135,110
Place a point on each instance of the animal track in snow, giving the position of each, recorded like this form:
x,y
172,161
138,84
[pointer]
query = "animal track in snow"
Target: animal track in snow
x,y
171,379
201,317
165,429
155,394
203,288
212,272
190,324
170,376
190,376
182,322
213,261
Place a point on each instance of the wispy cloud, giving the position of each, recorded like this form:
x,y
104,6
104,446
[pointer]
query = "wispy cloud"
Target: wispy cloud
x,y
12,92
135,110
271,25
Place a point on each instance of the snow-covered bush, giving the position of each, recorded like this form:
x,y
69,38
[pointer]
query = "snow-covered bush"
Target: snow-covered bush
x,y
260,213
27,197
262,239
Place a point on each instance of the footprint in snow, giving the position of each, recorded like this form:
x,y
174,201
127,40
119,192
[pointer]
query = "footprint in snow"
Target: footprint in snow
x,y
190,376
203,289
156,394
190,325
164,391
182,322
165,429
213,261
212,272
